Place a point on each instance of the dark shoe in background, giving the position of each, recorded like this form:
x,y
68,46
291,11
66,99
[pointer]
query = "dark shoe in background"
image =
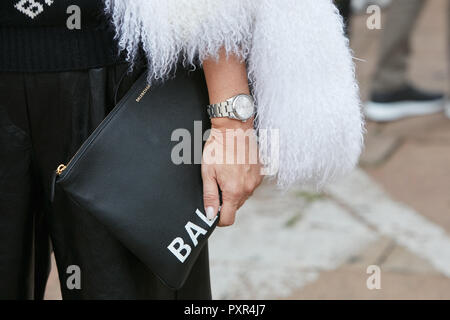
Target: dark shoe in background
x,y
406,102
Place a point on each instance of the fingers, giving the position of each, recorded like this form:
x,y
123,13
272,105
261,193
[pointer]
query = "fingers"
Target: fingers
x,y
230,203
236,186
234,194
248,189
210,193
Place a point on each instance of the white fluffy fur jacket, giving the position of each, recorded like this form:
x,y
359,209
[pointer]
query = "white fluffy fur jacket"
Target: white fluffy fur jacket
x,y
299,65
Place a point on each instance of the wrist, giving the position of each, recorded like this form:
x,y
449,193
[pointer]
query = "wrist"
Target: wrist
x,y
227,123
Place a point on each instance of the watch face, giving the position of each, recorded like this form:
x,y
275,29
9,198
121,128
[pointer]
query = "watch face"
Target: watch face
x,y
243,106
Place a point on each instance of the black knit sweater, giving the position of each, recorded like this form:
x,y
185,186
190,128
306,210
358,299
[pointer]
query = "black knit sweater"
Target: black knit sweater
x,y
53,35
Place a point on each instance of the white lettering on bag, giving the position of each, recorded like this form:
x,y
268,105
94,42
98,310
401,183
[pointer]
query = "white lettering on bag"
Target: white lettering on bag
x,y
177,246
181,246
192,226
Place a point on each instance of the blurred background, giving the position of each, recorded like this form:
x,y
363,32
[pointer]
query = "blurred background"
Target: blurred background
x,y
392,214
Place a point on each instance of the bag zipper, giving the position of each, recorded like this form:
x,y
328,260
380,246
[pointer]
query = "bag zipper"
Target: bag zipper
x,y
60,169
63,168
56,174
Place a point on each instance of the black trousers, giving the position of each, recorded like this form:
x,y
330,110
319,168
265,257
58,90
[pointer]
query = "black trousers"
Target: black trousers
x,y
44,118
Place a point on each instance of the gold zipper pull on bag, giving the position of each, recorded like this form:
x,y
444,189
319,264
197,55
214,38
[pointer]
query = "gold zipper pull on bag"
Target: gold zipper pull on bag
x,y
60,169
55,175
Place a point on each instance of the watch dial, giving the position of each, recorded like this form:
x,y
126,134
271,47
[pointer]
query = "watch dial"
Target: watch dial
x,y
243,107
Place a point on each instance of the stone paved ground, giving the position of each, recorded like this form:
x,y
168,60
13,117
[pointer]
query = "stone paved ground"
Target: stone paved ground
x,y
393,212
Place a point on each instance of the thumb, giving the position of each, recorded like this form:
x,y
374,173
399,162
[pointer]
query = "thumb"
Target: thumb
x,y
210,197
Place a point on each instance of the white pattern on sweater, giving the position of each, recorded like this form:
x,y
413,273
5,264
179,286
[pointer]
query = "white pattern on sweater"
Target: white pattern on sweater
x,y
32,8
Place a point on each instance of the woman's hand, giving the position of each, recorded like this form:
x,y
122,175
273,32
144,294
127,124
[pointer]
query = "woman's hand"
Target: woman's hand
x,y
231,167
230,162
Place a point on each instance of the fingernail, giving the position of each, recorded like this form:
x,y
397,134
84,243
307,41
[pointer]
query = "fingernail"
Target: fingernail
x,y
210,213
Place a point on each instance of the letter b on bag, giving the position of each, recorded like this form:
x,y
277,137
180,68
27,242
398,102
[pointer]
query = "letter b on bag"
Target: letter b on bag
x,y
177,252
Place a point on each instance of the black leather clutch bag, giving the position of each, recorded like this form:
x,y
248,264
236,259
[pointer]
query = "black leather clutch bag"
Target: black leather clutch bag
x,y
127,175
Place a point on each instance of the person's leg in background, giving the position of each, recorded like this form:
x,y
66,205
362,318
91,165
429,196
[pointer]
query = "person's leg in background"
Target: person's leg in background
x,y
395,48
392,96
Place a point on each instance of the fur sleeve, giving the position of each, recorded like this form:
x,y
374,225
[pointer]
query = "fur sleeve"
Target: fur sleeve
x,y
299,65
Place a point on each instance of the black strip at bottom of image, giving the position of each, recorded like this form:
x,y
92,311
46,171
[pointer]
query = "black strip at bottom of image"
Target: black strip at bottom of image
x,y
225,309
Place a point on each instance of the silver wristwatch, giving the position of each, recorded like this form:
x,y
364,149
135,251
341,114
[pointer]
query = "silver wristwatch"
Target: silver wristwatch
x,y
240,107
